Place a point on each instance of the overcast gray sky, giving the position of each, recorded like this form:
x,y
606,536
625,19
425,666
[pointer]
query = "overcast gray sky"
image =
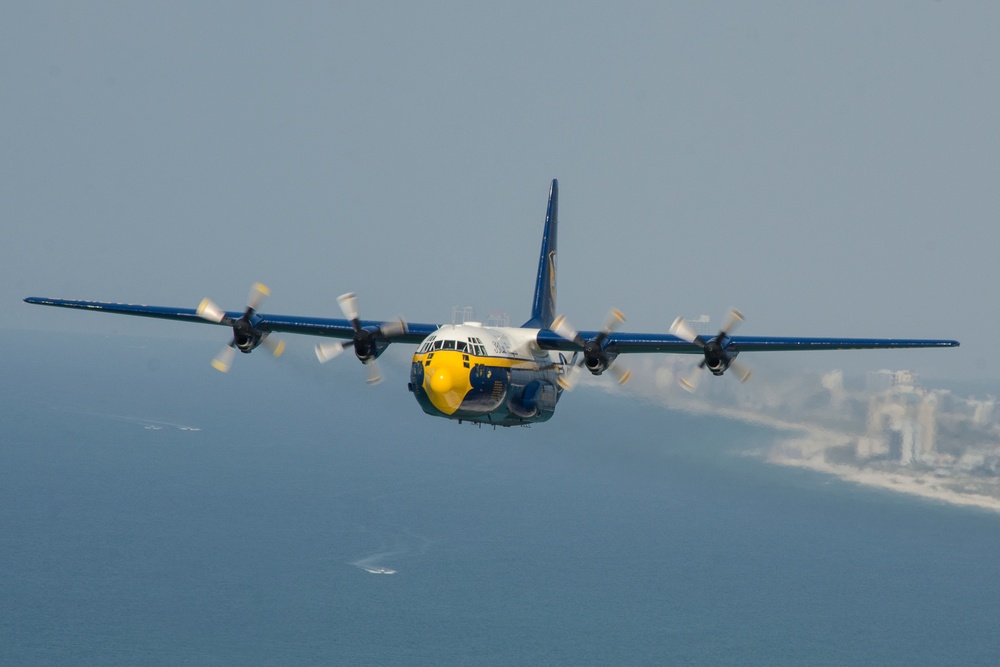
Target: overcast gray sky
x,y
829,168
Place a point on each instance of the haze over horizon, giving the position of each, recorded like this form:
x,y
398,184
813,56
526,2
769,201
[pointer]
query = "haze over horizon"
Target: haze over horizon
x,y
827,169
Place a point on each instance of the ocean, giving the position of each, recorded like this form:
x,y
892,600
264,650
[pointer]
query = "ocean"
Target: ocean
x,y
154,511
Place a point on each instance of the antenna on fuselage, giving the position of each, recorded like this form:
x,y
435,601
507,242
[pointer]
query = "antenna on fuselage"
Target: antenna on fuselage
x,y
462,314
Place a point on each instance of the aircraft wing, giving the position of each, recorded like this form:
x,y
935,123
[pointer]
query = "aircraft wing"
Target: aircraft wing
x,y
619,342
625,343
310,326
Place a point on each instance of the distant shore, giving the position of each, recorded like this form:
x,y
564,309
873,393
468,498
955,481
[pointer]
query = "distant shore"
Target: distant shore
x,y
900,482
806,448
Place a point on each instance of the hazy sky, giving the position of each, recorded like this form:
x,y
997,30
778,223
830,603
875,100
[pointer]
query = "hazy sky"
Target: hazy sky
x,y
829,168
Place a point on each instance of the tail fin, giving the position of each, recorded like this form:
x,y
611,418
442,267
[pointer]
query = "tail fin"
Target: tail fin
x,y
543,309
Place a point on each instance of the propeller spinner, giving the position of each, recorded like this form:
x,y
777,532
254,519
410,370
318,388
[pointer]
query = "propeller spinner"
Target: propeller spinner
x,y
246,335
368,342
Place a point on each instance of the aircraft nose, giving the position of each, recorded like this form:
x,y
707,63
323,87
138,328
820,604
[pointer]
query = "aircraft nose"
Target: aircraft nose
x,y
447,381
441,381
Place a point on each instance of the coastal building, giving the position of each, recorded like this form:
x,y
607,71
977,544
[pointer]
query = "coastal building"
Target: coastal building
x,y
886,380
902,420
982,411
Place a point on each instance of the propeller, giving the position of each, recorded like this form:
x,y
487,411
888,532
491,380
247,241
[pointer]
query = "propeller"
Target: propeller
x,y
719,351
246,335
368,342
595,358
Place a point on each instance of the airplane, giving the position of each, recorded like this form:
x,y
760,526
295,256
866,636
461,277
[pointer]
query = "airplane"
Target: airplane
x,y
493,375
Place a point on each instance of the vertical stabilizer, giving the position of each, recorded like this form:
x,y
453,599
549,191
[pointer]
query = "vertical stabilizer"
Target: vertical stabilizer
x,y
543,308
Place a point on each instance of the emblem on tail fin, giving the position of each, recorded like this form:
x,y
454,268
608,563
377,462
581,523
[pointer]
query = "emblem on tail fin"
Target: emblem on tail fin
x,y
552,278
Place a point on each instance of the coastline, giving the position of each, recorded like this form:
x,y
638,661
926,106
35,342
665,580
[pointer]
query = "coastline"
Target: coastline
x,y
805,447
899,482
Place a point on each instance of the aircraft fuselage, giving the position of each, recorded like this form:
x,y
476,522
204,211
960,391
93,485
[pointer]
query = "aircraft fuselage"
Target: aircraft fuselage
x,y
487,375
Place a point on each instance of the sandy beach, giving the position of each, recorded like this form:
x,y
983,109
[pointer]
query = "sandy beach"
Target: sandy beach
x,y
806,446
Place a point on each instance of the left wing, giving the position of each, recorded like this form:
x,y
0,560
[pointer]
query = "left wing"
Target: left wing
x,y
262,322
369,338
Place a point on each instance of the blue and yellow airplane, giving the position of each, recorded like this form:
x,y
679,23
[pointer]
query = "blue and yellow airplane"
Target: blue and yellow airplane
x,y
501,376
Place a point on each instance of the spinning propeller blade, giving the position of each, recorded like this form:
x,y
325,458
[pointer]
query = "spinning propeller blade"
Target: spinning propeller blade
x,y
246,335
742,372
616,318
733,320
594,356
691,381
622,375
569,377
209,311
374,372
327,351
223,361
258,292
565,330
393,328
349,306
275,347
719,352
368,343
684,331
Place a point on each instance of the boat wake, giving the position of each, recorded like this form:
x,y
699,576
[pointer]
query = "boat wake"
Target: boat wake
x,y
402,544
148,424
372,564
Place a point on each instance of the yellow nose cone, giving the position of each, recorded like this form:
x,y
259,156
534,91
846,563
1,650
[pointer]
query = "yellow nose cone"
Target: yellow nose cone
x,y
446,379
441,381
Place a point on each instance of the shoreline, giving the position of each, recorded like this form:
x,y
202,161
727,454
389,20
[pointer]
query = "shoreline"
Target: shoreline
x,y
809,444
899,482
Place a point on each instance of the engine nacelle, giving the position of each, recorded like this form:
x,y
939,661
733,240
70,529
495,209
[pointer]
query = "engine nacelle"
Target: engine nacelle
x,y
596,358
245,336
369,344
719,354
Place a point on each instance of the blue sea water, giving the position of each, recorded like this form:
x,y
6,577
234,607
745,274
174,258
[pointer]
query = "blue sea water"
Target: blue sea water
x,y
618,533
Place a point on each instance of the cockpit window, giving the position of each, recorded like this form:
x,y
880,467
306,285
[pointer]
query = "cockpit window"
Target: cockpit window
x,y
437,344
463,346
449,345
